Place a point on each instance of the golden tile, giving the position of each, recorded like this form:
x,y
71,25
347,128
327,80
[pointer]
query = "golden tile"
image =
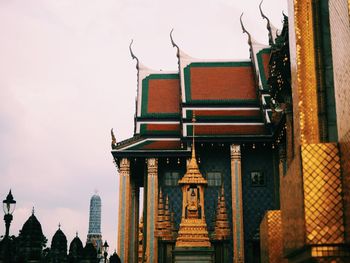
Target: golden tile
x,y
322,191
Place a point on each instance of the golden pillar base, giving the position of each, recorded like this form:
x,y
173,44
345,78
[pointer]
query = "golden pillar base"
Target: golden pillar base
x,y
193,233
271,239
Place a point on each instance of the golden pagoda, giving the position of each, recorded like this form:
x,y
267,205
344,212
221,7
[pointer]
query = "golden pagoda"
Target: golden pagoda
x,y
222,226
163,228
193,228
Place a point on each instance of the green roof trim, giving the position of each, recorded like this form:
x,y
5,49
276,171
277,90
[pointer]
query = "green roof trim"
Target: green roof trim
x,y
187,75
144,99
263,77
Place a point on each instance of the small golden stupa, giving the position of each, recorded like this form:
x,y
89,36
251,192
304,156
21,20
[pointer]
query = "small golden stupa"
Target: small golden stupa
x,y
193,230
163,227
222,226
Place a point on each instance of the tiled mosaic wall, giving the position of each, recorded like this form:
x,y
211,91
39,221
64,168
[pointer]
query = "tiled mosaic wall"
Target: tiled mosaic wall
x,y
292,208
340,32
271,238
257,199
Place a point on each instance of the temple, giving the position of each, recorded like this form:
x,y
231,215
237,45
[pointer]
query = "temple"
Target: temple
x,y
238,160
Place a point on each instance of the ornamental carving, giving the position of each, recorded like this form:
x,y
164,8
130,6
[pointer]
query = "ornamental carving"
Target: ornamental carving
x,y
235,151
152,166
124,165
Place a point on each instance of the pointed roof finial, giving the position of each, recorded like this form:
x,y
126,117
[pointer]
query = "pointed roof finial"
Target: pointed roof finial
x,y
245,31
114,141
76,233
59,225
268,25
133,55
33,210
173,42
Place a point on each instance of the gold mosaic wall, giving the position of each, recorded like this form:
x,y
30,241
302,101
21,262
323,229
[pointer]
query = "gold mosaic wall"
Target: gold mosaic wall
x,y
322,194
306,75
293,226
340,32
271,238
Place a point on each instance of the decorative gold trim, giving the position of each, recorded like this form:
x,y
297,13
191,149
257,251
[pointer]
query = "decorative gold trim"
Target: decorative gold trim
x,y
306,72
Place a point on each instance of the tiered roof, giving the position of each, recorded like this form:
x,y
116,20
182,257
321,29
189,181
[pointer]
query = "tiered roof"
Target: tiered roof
x,y
230,99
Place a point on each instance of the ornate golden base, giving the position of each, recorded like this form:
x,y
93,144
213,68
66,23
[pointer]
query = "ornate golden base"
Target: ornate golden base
x,y
193,233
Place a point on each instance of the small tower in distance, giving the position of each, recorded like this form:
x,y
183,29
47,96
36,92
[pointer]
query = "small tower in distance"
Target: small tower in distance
x,y
94,235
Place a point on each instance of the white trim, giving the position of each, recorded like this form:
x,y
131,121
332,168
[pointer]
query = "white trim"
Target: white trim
x,y
218,108
263,98
159,122
226,124
268,120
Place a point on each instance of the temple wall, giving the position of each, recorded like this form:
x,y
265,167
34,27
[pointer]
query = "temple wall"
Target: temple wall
x,y
340,33
257,199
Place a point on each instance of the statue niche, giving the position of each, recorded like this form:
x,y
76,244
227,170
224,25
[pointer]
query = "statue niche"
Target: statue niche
x,y
193,207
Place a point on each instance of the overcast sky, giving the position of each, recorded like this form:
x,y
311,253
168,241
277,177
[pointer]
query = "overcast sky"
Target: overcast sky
x,y
67,78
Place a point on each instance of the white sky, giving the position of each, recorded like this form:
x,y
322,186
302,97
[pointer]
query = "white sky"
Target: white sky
x,y
67,78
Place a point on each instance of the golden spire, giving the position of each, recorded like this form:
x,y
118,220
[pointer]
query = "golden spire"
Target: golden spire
x,y
163,227
160,218
222,227
193,175
193,230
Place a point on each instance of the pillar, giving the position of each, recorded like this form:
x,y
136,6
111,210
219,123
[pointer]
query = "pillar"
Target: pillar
x,y
237,202
124,209
152,210
134,222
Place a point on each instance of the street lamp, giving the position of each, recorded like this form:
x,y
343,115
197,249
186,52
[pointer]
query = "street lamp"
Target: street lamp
x,y
9,205
105,249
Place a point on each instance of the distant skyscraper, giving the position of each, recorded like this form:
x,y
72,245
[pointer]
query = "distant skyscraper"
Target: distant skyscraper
x,y
94,235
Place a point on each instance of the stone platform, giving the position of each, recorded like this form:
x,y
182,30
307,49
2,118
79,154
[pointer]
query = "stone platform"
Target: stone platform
x,y
193,255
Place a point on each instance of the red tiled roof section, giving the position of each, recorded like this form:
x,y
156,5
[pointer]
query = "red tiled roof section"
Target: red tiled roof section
x,y
163,145
161,91
266,60
163,127
227,112
222,83
230,129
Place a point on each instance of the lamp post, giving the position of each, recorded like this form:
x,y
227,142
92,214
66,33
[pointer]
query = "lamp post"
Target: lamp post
x,y
9,205
105,249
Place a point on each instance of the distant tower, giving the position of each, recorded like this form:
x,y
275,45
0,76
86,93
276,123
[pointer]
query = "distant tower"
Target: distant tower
x,y
94,235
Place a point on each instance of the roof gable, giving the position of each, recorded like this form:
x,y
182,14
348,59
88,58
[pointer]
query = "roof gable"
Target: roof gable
x,y
155,89
219,82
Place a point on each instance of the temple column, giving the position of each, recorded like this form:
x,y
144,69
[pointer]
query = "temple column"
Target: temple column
x,y
124,210
152,210
237,202
134,222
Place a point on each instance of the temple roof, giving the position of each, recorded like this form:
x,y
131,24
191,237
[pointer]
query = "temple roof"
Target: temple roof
x,y
230,99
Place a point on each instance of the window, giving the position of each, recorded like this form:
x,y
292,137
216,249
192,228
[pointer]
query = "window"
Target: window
x,y
214,178
171,178
257,178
